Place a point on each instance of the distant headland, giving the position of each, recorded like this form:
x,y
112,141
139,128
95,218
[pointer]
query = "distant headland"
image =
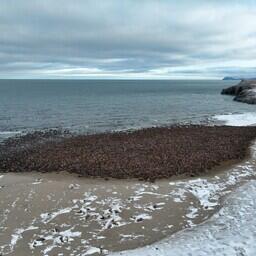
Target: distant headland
x,y
237,78
244,92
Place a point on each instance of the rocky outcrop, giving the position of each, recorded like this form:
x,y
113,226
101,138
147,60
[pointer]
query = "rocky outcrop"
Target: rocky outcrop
x,y
245,91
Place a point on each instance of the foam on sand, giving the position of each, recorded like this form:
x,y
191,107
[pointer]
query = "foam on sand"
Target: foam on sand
x,y
7,134
244,119
231,231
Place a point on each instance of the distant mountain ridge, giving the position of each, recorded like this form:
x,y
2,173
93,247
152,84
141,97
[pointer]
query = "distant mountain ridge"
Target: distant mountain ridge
x,y
237,78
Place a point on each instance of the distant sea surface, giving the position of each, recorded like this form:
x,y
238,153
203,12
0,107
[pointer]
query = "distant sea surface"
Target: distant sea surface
x,y
104,105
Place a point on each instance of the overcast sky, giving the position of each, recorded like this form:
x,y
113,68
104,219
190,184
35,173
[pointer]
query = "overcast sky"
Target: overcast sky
x,y
127,39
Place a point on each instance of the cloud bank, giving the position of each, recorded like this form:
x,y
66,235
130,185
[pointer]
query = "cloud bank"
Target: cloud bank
x,y
127,39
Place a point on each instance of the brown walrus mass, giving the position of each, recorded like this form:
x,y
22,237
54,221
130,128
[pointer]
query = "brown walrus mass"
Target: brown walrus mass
x,y
147,154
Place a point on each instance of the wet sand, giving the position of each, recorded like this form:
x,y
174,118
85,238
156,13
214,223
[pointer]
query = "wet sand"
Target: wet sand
x,y
230,231
61,214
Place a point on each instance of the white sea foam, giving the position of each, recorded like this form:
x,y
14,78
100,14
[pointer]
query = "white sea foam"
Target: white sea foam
x,y
244,119
47,217
193,212
229,232
18,235
7,134
93,250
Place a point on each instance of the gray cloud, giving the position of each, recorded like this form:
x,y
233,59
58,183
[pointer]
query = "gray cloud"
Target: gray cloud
x,y
133,39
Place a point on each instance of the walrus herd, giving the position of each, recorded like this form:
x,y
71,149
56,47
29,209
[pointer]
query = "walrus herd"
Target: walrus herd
x,y
146,154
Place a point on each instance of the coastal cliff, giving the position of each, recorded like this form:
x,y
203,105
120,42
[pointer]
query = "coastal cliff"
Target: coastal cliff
x,y
244,92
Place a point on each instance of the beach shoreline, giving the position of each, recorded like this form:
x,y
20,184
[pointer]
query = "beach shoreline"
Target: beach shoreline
x,y
51,213
46,213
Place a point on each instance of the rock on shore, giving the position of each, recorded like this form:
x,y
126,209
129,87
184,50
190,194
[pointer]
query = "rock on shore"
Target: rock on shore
x,y
244,92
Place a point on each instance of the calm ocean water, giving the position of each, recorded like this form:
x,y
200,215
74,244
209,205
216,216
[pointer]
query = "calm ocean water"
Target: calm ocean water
x,y
100,105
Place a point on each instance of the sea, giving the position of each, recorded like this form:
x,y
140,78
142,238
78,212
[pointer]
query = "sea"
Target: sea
x,y
92,106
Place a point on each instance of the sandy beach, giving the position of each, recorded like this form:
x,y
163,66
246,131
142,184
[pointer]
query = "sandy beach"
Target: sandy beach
x,y
61,214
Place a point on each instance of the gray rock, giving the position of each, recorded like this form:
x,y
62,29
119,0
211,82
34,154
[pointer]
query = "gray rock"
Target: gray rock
x,y
244,92
247,96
